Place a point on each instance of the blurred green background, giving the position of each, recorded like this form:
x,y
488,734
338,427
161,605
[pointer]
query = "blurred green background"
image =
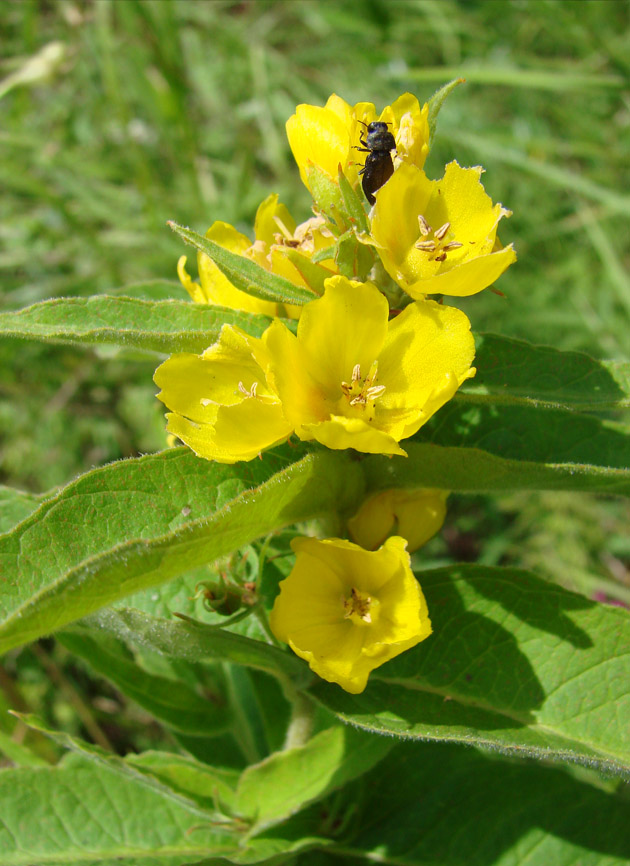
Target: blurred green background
x,y
117,116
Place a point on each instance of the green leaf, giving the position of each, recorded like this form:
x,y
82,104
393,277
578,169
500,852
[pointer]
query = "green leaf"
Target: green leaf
x,y
84,814
288,781
510,372
159,326
514,663
244,273
437,101
525,433
172,702
514,372
470,469
116,764
438,804
18,754
136,523
354,259
196,641
353,205
309,270
328,197
16,505
209,787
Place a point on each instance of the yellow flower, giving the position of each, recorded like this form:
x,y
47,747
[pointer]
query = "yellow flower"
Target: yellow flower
x,y
275,232
220,404
439,236
416,515
353,379
347,611
325,137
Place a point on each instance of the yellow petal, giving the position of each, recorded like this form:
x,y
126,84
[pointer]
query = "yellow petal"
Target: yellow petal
x,y
271,218
220,403
427,355
469,208
216,287
313,610
416,515
319,137
468,278
336,333
194,289
439,236
339,432
288,374
238,432
394,224
346,327
411,123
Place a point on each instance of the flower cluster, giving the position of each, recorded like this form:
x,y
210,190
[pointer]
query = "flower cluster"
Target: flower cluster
x,y
371,360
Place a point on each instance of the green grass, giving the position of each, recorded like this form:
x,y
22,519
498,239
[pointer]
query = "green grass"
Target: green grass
x,y
165,110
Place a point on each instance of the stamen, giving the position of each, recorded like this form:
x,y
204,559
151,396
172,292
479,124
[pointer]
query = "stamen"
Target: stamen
x,y
425,228
374,392
245,392
285,231
434,247
359,605
363,392
439,233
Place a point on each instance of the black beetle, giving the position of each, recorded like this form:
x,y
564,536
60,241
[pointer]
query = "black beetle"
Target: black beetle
x,y
379,166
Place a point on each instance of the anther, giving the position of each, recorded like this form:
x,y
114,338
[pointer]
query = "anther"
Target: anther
x,y
425,228
441,232
245,392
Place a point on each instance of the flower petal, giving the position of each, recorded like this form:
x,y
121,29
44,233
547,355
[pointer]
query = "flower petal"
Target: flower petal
x,y
194,289
340,644
319,137
238,432
346,327
416,515
220,403
427,355
339,432
271,218
439,236
468,278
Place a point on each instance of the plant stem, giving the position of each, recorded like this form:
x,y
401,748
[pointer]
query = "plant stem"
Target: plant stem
x,y
302,717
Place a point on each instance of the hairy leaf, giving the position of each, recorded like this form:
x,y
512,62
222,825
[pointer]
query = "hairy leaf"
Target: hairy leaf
x,y
194,641
434,803
514,372
437,101
476,469
244,273
287,781
16,505
87,814
135,323
136,523
173,702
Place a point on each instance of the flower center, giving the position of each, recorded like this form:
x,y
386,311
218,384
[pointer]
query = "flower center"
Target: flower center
x,y
363,393
252,391
435,247
359,607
